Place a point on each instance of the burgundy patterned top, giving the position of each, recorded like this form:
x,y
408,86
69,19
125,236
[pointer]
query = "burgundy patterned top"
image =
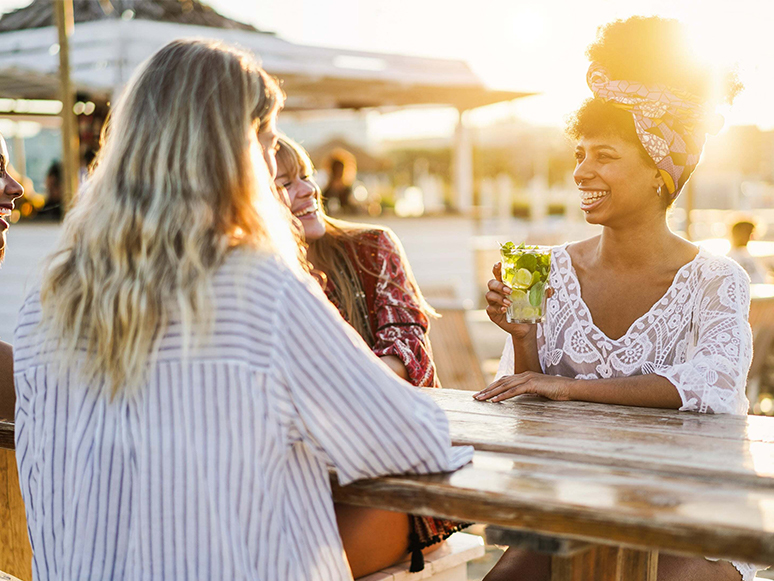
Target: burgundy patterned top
x,y
398,325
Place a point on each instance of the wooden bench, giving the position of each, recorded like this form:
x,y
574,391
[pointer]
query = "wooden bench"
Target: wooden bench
x,y
447,563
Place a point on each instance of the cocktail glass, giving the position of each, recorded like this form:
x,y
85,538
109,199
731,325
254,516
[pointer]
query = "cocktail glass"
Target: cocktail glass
x,y
526,270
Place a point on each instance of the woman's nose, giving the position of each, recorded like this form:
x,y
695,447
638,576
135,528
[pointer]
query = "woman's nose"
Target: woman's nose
x,y
306,189
12,188
582,172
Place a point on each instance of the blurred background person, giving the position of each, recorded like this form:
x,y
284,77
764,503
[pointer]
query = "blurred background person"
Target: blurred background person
x,y
370,280
86,161
337,194
53,207
741,233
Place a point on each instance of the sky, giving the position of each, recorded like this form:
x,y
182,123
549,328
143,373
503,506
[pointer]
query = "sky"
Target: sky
x,y
535,45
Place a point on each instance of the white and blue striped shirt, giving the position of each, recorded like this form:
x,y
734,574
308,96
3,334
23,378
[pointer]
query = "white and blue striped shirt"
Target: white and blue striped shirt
x,y
218,467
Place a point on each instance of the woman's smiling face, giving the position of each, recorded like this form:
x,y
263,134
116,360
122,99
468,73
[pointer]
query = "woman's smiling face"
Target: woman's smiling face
x,y
304,197
616,182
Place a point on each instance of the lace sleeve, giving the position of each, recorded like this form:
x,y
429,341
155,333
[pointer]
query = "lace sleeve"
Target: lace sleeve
x,y
713,376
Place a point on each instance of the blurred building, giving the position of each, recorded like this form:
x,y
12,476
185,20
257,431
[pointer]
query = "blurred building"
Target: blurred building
x,y
112,37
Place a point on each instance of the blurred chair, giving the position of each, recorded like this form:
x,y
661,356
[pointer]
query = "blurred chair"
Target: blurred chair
x,y
762,324
456,361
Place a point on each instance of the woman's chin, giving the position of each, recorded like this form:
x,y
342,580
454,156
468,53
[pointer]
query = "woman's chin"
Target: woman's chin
x,y
593,218
313,229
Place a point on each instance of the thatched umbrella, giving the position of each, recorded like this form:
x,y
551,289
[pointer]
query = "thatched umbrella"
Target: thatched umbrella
x,y
40,13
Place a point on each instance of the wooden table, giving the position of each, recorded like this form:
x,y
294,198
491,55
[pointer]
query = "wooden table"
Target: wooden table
x,y
605,487
635,480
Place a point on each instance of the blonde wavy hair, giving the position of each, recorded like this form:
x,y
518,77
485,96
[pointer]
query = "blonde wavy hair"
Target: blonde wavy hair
x,y
179,182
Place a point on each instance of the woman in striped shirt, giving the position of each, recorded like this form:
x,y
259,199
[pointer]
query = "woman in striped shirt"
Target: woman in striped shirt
x,y
182,384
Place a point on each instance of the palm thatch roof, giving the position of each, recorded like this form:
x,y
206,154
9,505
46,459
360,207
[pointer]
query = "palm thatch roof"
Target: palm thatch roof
x,y
40,13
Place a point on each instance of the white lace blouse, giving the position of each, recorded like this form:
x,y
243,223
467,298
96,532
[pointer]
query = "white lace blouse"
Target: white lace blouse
x,y
696,336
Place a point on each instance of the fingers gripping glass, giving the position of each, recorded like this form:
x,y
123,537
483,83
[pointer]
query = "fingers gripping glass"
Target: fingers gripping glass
x,y
526,270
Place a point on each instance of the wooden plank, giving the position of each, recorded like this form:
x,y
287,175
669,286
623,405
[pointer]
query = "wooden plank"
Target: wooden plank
x,y
604,561
15,550
600,563
589,503
547,429
572,568
752,462
636,565
671,422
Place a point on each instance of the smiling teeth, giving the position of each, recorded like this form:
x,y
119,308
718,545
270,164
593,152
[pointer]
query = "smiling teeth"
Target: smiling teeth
x,y
5,212
310,210
591,197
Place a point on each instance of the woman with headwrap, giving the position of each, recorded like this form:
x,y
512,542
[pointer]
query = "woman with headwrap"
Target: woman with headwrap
x,y
639,316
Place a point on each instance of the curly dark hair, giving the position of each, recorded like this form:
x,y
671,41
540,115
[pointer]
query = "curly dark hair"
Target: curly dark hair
x,y
650,50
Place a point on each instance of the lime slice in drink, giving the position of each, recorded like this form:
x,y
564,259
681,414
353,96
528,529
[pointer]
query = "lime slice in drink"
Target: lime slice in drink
x,y
522,278
519,297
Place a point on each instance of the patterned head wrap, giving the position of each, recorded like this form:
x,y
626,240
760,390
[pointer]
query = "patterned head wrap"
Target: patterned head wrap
x,y
670,124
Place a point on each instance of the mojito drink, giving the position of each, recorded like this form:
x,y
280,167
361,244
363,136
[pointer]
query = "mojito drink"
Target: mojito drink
x,y
526,269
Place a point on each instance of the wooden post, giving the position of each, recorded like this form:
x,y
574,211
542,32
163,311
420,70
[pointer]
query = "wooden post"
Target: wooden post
x,y
462,161
63,11
602,563
636,565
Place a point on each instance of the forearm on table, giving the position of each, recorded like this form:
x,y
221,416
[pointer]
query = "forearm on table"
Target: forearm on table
x,y
525,353
652,391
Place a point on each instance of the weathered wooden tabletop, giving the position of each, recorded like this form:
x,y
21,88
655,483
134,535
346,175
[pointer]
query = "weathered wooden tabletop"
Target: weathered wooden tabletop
x,y
652,479
609,475
724,447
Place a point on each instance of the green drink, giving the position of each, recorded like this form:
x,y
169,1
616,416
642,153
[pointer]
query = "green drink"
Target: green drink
x,y
526,269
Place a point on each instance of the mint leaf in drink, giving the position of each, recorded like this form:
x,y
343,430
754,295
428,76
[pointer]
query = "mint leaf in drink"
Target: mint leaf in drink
x,y
528,261
508,250
536,294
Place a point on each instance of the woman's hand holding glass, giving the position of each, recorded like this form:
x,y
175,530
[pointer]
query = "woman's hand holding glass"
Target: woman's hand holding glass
x,y
498,300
